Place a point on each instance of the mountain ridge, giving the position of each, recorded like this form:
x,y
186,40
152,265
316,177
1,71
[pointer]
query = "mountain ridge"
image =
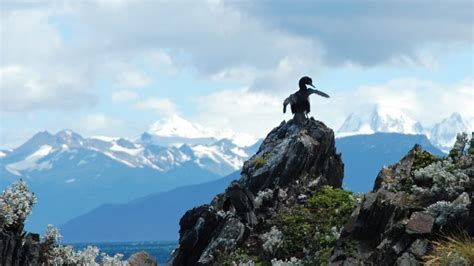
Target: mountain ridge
x,y
63,165
379,118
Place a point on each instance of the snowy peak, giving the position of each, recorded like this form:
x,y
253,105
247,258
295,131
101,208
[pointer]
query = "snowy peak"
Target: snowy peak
x,y
443,134
379,119
66,148
175,131
176,126
383,119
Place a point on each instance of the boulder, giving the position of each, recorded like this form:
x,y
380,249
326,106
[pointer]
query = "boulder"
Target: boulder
x,y
420,223
141,258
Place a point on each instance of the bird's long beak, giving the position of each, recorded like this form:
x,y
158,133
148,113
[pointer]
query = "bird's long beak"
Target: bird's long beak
x,y
311,84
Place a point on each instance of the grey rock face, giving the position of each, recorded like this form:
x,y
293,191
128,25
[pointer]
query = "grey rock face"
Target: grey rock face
x,y
196,229
293,158
290,151
19,249
420,223
393,224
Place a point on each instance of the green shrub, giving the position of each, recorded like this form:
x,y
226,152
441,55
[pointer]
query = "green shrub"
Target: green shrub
x,y
239,256
453,153
423,159
405,184
310,231
259,161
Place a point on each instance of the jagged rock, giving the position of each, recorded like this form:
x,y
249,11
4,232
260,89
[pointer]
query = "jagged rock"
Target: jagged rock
x,y
196,228
470,221
420,223
375,214
407,259
19,249
393,224
459,146
242,201
419,248
293,160
229,235
291,151
141,258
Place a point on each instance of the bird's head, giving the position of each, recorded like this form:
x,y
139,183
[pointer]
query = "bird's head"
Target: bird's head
x,y
305,81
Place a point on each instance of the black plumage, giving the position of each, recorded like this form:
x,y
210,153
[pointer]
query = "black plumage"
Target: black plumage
x,y
299,100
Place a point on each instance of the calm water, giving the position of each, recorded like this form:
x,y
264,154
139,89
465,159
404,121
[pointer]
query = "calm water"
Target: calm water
x,y
158,249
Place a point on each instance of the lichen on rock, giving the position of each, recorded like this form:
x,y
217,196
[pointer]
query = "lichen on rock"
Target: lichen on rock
x,y
413,202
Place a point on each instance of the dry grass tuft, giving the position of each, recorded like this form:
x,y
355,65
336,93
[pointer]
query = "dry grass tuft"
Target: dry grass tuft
x,y
452,250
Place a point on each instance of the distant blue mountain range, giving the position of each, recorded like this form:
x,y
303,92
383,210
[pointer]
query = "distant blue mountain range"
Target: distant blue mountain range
x,y
156,217
148,218
72,175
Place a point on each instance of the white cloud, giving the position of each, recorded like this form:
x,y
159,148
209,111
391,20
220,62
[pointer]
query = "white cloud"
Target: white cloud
x,y
423,100
282,77
245,41
257,112
161,106
241,110
132,80
24,88
124,96
95,123
368,32
36,71
55,54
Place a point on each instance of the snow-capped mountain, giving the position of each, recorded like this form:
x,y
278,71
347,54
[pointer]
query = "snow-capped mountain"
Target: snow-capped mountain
x,y
72,174
382,119
443,134
175,131
379,119
43,150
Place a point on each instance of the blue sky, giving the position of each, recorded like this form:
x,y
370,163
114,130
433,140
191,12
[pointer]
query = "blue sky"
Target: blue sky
x,y
112,68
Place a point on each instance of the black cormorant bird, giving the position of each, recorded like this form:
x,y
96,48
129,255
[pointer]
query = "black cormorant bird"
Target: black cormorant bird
x,y
299,100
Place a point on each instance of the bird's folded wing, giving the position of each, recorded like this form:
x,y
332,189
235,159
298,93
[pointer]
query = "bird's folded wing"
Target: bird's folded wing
x,y
289,100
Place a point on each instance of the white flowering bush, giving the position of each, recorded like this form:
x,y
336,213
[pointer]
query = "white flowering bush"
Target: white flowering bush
x,y
247,263
447,179
291,262
62,255
16,203
335,232
262,196
271,240
116,260
443,211
87,256
52,234
66,255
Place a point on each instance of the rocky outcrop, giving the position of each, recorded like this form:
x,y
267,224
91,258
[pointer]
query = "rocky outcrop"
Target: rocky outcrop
x,y
17,248
414,201
293,161
141,258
